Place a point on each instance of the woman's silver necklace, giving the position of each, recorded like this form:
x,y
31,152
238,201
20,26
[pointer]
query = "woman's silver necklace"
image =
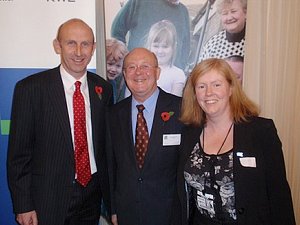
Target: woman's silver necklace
x,y
223,141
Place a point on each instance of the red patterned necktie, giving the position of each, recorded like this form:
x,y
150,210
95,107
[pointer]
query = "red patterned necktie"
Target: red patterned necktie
x,y
82,162
141,137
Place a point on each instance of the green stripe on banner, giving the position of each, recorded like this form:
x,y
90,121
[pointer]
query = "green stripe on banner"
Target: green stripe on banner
x,y
5,127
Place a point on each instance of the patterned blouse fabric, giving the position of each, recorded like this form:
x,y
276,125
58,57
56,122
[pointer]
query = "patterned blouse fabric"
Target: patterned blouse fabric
x,y
210,178
224,45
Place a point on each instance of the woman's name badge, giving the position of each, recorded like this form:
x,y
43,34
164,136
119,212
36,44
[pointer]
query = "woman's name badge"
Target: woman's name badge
x,y
248,162
171,139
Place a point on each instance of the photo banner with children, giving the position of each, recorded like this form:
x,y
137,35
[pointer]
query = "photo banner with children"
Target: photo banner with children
x,y
181,33
28,29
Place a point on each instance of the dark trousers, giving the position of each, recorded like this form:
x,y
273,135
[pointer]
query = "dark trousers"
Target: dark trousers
x,y
85,204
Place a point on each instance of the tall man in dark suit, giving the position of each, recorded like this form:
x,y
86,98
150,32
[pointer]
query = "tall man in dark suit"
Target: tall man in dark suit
x,y
143,188
43,174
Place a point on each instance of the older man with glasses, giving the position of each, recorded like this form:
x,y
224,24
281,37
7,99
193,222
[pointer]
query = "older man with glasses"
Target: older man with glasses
x,y
145,135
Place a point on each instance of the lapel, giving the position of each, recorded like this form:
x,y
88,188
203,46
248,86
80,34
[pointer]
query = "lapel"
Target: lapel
x,y
125,123
56,95
97,112
159,127
242,138
243,144
190,138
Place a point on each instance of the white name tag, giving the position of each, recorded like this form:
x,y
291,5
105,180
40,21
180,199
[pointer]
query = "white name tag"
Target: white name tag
x,y
248,161
171,139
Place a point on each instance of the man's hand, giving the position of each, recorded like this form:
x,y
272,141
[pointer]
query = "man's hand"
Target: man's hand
x,y
114,219
28,218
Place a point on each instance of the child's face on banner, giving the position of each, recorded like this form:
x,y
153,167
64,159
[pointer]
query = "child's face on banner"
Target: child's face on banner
x,y
163,52
114,68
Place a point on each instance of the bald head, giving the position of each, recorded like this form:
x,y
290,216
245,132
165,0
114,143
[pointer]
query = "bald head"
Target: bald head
x,y
72,22
141,52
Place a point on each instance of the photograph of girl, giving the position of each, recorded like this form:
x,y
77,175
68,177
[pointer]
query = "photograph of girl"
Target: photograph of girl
x,y
162,41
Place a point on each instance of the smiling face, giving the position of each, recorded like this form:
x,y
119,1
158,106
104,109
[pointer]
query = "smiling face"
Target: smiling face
x,y
75,44
233,16
213,93
114,68
163,52
162,39
141,73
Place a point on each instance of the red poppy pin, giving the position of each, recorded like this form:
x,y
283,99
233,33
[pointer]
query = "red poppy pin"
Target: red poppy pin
x,y
166,116
99,90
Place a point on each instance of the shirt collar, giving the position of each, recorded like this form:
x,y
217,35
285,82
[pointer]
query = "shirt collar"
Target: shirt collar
x,y
149,104
68,80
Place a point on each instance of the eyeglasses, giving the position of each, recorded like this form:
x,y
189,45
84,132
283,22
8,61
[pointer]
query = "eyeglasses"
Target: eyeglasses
x,y
143,67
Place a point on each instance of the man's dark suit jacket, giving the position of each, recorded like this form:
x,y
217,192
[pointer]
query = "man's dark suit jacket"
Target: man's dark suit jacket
x,y
144,197
262,193
41,167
